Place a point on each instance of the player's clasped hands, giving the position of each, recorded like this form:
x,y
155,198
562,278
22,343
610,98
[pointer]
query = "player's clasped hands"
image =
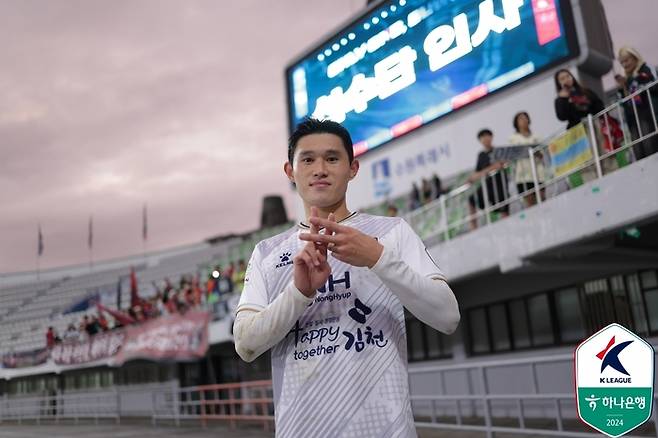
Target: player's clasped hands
x,y
311,267
346,244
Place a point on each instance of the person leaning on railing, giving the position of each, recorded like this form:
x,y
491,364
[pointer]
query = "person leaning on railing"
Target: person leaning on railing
x,y
638,75
523,176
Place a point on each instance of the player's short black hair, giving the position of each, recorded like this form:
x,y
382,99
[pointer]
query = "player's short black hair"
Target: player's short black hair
x,y
483,132
314,126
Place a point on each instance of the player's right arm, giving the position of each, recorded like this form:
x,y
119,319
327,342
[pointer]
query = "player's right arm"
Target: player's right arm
x,y
260,325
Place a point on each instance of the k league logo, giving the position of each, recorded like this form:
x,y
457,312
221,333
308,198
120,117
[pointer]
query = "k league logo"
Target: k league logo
x,y
614,380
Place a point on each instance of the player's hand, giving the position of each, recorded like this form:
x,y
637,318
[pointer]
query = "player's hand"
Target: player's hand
x,y
311,267
564,92
347,244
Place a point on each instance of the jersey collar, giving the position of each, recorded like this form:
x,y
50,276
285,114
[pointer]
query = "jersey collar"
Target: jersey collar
x,y
304,226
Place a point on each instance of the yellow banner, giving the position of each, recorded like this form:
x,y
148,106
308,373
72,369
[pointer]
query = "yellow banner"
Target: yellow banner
x,y
570,150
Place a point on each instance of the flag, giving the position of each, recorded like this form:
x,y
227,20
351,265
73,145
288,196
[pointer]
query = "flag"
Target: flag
x,y
570,150
40,242
84,304
144,224
118,316
90,239
134,295
119,293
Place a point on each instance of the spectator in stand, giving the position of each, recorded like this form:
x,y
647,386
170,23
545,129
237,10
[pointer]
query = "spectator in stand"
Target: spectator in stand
x,y
92,326
210,285
51,337
168,287
189,298
172,303
574,102
638,75
224,285
160,308
426,188
437,189
414,197
228,276
148,308
496,184
181,303
523,168
139,314
391,211
103,325
85,325
71,334
238,276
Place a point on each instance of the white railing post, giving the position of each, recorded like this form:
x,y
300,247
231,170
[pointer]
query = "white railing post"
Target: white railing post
x,y
444,217
622,121
535,179
153,408
595,145
521,415
485,400
653,113
637,119
175,394
558,414
485,195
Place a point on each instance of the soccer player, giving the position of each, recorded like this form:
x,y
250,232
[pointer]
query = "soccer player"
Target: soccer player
x,y
327,298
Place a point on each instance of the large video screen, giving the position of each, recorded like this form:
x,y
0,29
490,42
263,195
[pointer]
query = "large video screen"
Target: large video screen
x,y
406,63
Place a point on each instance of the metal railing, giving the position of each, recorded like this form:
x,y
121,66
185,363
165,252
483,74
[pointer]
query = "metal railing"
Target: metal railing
x,y
622,133
55,407
232,402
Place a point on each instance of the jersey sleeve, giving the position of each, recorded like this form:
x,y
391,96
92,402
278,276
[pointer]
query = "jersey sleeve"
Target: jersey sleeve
x,y
414,252
254,293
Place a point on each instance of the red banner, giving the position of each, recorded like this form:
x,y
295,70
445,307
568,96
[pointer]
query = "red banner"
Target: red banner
x,y
174,337
100,346
25,359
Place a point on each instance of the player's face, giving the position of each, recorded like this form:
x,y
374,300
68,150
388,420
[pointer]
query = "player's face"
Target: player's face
x,y
321,170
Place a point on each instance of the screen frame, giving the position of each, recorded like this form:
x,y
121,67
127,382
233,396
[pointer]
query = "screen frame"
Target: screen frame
x,y
570,31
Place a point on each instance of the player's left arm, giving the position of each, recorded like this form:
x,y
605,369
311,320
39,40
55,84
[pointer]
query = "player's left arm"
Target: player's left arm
x,y
402,263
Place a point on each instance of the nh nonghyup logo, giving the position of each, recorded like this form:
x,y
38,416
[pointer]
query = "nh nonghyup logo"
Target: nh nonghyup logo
x,y
284,260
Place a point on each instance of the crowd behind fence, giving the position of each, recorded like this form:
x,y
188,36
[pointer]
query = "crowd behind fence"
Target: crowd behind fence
x,y
602,143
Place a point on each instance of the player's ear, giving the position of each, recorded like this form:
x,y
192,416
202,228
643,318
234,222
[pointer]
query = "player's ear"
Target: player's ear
x,y
287,168
354,168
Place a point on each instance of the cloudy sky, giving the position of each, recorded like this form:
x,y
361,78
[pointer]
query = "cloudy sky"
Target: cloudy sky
x,y
105,105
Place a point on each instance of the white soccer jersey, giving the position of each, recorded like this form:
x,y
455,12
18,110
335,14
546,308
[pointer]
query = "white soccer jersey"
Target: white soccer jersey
x,y
341,371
